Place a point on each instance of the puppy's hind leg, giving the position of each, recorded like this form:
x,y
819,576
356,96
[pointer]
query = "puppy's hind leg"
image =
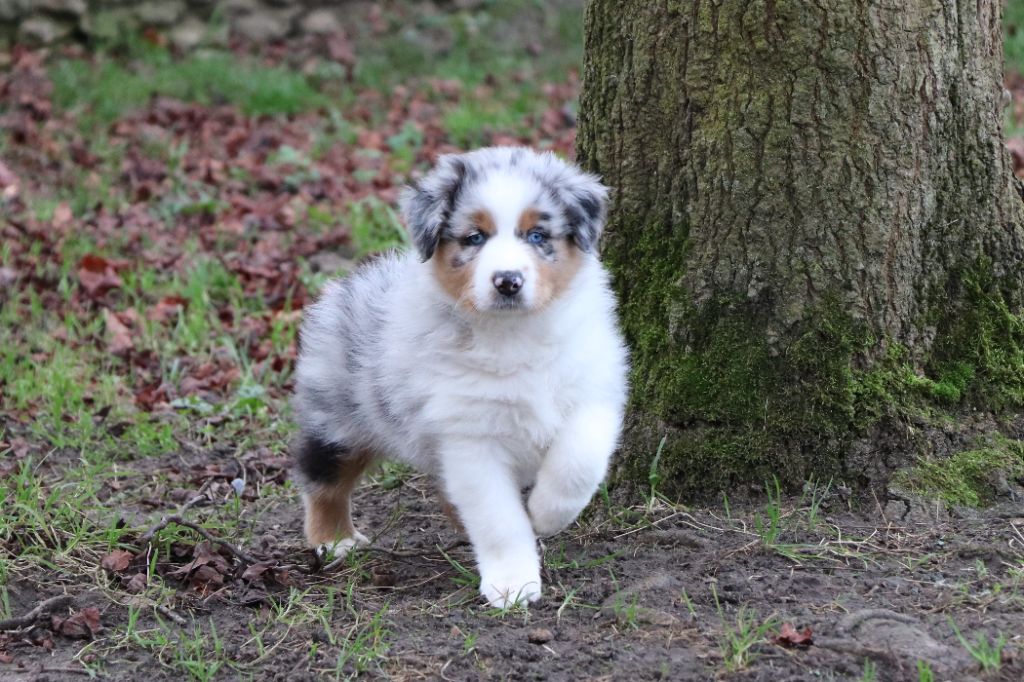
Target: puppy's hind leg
x,y
330,473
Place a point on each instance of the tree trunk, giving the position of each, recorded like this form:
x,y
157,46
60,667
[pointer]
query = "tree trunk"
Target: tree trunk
x,y
816,235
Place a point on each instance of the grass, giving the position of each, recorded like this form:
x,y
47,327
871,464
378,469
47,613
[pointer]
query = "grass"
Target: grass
x,y
469,47
988,654
475,44
969,478
375,227
740,635
103,91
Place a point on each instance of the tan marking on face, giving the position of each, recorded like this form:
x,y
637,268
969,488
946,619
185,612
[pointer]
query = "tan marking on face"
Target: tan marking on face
x,y
555,276
455,276
329,507
527,221
484,222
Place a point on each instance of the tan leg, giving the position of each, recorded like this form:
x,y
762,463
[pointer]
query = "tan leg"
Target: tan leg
x,y
449,510
329,507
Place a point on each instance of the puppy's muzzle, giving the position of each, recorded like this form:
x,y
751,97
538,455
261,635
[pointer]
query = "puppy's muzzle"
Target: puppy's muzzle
x,y
508,282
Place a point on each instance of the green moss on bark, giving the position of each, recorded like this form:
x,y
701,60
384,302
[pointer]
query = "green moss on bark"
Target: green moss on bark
x,y
738,408
972,478
981,339
814,236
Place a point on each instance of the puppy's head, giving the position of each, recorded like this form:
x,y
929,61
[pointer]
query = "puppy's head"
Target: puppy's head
x,y
505,227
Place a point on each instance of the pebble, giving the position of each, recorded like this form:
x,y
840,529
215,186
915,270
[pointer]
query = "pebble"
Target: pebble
x,y
540,636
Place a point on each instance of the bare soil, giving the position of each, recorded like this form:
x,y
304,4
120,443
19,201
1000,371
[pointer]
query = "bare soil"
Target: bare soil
x,y
650,592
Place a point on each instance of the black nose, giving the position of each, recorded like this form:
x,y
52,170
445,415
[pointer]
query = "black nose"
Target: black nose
x,y
508,283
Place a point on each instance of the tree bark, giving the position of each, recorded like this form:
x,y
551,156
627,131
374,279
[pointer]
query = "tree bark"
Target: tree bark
x,y
816,234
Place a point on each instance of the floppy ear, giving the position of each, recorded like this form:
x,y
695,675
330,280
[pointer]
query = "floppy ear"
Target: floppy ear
x,y
586,207
427,206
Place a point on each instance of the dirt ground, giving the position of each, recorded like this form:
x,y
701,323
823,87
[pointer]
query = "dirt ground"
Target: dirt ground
x,y
652,592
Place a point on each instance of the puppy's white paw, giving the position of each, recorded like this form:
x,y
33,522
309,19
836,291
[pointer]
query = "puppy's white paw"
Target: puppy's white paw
x,y
503,589
339,549
549,516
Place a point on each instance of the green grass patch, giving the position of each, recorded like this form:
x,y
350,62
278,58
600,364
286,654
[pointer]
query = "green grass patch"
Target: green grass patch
x,y
543,38
101,91
375,227
970,478
471,122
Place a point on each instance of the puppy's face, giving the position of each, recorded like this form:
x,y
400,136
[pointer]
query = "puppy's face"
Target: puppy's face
x,y
506,229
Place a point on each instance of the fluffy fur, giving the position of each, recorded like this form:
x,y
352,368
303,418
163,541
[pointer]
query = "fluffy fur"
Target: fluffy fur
x,y
489,358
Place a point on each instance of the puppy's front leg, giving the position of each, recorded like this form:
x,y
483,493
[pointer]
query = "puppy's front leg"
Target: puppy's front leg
x,y
479,483
573,468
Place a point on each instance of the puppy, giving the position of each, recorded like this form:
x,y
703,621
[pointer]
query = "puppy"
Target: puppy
x,y
489,358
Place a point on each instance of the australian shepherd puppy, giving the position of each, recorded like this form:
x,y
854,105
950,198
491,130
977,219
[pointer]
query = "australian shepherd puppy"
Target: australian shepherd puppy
x,y
489,357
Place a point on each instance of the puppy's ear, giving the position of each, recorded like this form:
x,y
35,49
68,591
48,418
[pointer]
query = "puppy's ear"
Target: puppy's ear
x,y
586,208
427,206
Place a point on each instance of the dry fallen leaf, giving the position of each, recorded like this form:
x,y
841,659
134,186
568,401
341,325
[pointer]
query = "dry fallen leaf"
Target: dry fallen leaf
x,y
10,186
84,624
137,583
119,336
97,275
62,216
117,561
789,636
167,308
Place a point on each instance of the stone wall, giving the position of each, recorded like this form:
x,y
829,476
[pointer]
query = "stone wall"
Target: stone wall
x,y
185,23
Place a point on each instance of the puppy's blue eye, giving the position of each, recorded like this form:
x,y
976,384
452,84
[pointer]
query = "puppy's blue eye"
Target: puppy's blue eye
x,y
475,239
536,237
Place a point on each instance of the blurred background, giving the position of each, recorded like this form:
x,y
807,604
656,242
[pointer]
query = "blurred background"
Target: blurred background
x,y
178,177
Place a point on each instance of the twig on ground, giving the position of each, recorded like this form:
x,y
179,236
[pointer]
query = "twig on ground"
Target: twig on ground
x,y
200,496
394,554
42,609
1018,534
171,614
147,537
39,670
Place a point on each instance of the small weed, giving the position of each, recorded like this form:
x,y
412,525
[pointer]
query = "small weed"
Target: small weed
x,y
739,638
518,608
569,601
653,476
817,496
870,672
627,612
562,562
463,576
924,672
769,530
989,655
685,598
364,644
468,643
